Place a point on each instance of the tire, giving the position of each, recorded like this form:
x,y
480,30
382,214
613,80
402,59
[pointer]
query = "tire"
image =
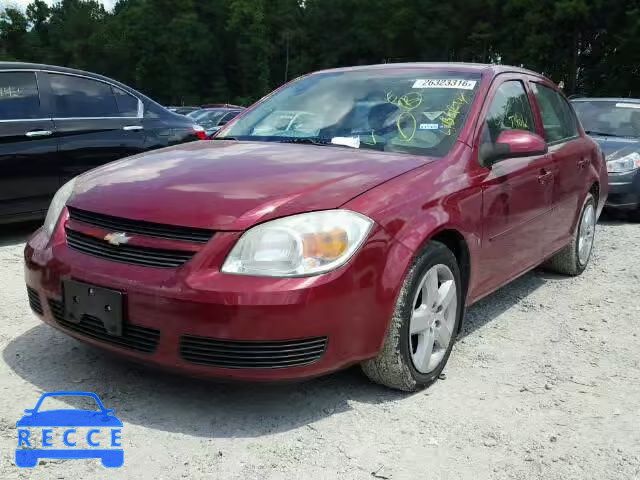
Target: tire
x,y
569,261
405,361
634,215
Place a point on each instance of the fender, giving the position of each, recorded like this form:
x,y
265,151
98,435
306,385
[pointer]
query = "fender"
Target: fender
x,y
417,206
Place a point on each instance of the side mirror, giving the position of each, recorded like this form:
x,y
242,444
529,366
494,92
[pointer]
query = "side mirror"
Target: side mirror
x,y
512,143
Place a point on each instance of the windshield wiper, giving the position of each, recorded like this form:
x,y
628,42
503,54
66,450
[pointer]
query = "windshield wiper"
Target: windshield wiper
x,y
601,134
224,138
309,141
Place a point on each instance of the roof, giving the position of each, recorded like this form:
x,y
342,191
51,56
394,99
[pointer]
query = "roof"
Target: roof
x,y
54,68
42,66
453,66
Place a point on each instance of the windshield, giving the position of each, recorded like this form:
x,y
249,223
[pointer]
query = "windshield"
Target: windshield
x,y
420,112
616,118
210,118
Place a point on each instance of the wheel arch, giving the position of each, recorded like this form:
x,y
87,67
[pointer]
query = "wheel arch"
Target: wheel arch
x,y
456,241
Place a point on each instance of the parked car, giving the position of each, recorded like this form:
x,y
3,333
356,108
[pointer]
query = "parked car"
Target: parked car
x,y
183,110
334,237
213,119
56,123
615,124
223,105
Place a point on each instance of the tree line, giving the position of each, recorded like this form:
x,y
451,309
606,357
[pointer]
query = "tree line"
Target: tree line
x,y
195,51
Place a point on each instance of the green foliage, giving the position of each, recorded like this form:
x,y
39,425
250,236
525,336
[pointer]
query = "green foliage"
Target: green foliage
x,y
191,51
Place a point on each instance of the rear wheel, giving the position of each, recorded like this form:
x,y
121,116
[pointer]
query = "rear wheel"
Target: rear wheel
x,y
424,324
573,259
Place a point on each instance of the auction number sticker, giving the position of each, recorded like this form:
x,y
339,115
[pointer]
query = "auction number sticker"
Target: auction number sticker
x,y
445,83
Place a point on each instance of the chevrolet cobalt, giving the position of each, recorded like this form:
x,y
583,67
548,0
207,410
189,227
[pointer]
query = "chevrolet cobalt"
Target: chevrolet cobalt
x,y
347,218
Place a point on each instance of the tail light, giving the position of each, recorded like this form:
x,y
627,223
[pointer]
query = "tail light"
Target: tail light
x,y
199,132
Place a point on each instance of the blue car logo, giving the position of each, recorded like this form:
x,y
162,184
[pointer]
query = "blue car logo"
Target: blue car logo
x,y
37,439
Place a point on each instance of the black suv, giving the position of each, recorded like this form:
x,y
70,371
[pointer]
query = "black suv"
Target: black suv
x,y
56,123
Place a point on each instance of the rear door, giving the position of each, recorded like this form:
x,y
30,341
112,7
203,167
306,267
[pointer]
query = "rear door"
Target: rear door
x,y
95,121
570,153
28,171
517,191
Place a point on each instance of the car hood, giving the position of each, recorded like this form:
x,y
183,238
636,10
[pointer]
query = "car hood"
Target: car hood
x,y
69,418
230,185
610,145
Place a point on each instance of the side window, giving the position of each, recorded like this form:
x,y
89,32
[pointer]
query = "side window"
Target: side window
x,y
509,110
127,104
81,97
558,119
19,96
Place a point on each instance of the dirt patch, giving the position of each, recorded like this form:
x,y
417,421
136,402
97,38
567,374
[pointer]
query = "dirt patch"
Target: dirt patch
x,y
543,383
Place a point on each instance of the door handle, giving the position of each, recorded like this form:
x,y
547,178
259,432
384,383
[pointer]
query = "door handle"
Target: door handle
x,y
39,133
132,127
583,162
545,177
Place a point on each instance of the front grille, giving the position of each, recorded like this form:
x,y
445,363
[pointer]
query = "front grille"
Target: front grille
x,y
134,337
34,300
148,257
139,227
250,354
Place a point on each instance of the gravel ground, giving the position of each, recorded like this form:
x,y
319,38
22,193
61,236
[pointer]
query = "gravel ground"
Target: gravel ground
x,y
543,383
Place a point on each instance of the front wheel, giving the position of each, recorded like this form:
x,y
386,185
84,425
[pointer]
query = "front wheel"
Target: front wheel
x,y
573,259
424,323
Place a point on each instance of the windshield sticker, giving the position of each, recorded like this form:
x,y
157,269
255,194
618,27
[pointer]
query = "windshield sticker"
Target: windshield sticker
x,y
353,142
628,105
445,83
452,112
429,126
432,115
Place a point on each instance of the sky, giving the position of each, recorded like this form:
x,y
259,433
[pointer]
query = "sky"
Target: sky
x,y
22,4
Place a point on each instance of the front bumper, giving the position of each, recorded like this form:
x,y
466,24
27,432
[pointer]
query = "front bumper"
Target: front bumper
x,y
172,313
624,190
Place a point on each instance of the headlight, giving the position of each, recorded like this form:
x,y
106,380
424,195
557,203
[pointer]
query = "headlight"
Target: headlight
x,y
626,163
300,245
57,204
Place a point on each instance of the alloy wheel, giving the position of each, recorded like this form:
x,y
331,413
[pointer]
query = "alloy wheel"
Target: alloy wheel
x,y
586,233
433,318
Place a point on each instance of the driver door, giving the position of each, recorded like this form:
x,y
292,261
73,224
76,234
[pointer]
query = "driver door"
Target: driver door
x,y
516,191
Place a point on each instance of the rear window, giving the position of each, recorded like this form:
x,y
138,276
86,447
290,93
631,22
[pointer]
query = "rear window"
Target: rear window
x,y
19,96
127,104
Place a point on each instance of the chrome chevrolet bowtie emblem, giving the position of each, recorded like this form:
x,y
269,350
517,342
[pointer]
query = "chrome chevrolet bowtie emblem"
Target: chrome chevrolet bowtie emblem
x,y
117,238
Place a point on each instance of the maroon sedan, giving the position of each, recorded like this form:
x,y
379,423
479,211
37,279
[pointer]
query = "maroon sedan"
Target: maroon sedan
x,y
347,218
